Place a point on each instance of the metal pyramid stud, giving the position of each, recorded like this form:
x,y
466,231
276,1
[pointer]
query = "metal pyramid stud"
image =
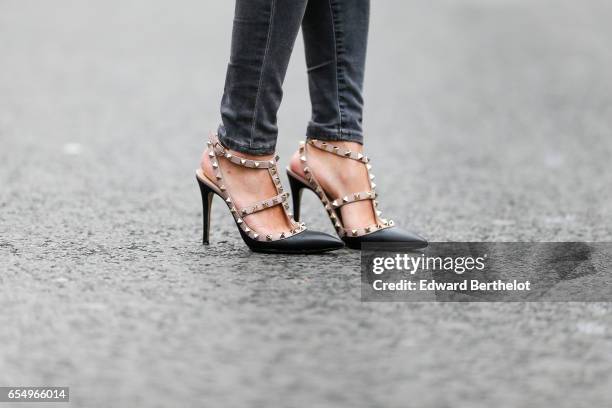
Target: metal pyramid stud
x,y
359,156
272,162
269,237
306,170
228,200
347,153
244,212
345,199
277,157
378,212
282,235
368,229
303,159
373,185
222,188
247,229
215,165
354,232
242,161
219,176
239,221
228,156
255,236
256,163
233,210
332,216
211,154
356,196
369,166
372,177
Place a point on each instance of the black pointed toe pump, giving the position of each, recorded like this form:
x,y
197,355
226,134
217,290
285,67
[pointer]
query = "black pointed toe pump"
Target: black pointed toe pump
x,y
297,240
383,231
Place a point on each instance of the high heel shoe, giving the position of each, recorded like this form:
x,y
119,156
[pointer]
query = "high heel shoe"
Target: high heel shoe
x,y
383,231
297,240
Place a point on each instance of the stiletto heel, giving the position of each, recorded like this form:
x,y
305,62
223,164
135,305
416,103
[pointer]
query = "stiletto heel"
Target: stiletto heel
x,y
297,240
297,187
207,196
383,231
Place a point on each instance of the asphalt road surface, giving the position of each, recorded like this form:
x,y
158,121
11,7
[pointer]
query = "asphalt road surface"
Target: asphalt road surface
x,y
486,121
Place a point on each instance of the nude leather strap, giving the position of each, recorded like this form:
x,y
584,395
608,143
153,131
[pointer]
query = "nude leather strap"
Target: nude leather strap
x,y
333,206
339,151
263,204
218,151
352,198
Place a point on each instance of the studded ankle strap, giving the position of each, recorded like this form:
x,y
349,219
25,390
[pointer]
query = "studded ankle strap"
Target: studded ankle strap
x,y
217,151
332,205
339,151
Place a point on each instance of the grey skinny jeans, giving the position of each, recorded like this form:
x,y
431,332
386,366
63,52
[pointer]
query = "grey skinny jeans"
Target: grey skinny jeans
x,y
335,37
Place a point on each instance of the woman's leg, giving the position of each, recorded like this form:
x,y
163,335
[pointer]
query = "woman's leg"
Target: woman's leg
x,y
335,37
263,37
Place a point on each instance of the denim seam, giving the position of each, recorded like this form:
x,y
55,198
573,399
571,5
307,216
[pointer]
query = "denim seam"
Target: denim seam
x,y
332,15
246,148
315,132
310,69
261,74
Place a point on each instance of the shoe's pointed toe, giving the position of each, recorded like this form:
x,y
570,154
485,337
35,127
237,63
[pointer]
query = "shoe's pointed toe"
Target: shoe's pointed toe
x,y
313,242
324,241
409,239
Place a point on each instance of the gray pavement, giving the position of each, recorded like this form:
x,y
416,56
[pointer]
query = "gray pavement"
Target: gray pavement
x,y
503,107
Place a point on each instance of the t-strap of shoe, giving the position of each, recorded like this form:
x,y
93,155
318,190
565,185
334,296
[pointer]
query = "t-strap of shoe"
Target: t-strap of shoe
x,y
217,151
332,205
